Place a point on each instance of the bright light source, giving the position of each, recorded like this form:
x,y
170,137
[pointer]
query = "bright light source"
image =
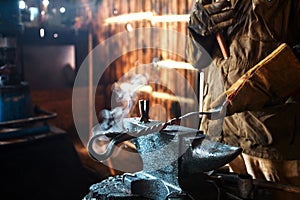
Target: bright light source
x,y
62,9
42,32
54,10
138,16
34,12
146,89
45,2
171,18
55,35
115,11
129,27
22,4
171,64
129,17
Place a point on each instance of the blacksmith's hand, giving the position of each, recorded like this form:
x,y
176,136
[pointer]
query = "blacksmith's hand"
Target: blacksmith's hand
x,y
211,17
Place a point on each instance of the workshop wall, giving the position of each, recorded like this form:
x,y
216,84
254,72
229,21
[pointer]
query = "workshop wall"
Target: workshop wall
x,y
120,16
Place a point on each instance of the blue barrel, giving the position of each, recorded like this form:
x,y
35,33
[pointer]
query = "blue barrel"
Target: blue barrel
x,y
15,102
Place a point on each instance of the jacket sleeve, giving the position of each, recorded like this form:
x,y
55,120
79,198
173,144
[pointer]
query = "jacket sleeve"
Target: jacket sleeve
x,y
276,76
196,51
199,48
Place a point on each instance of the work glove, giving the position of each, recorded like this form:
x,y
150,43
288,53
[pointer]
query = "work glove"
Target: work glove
x,y
274,78
206,19
211,17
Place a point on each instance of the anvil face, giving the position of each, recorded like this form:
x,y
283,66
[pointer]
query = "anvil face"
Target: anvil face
x,y
178,151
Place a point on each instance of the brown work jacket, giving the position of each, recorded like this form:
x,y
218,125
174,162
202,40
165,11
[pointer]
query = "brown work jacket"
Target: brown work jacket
x,y
270,130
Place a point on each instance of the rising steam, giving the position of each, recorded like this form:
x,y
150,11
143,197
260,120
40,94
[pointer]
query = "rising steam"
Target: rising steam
x,y
124,97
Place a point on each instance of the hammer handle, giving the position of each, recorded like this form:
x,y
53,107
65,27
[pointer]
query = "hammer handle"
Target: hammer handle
x,y
222,45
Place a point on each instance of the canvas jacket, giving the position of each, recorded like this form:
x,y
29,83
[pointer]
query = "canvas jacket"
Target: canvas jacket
x,y
270,129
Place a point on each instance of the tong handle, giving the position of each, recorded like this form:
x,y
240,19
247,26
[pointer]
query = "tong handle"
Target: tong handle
x,y
119,138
